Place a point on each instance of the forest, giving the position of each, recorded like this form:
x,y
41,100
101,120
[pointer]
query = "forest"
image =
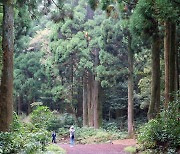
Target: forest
x,y
110,68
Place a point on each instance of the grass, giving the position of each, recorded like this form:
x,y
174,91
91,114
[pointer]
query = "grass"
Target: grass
x,y
130,149
54,149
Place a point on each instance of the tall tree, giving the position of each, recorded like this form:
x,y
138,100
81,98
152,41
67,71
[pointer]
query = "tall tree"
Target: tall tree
x,y
170,18
130,89
125,11
6,87
147,25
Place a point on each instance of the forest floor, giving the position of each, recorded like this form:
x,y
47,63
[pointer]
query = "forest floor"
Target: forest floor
x,y
115,147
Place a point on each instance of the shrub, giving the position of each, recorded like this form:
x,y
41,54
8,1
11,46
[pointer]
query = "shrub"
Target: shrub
x,y
62,132
110,126
163,132
16,125
86,135
60,121
41,116
13,142
68,120
25,139
35,141
8,144
55,123
115,124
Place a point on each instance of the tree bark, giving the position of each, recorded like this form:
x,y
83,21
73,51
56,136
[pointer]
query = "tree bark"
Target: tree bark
x,y
130,90
100,97
6,88
172,63
169,57
95,102
85,108
177,69
167,48
96,93
155,83
90,102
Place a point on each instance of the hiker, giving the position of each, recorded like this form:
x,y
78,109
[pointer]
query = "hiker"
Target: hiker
x,y
54,137
71,131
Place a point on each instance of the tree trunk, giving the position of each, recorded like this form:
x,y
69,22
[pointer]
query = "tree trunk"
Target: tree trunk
x,y
169,57
90,102
172,63
167,47
72,91
85,108
155,83
130,90
79,98
6,88
177,69
100,97
96,93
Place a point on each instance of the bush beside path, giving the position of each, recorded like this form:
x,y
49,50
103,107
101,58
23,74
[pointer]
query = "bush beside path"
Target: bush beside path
x,y
116,147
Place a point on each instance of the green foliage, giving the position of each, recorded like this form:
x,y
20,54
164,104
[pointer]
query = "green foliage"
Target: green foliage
x,y
54,149
41,116
93,3
87,135
130,149
63,132
112,67
16,123
162,133
36,141
141,22
6,143
147,13
110,126
54,124
23,139
167,10
68,120
142,72
22,26
28,77
60,121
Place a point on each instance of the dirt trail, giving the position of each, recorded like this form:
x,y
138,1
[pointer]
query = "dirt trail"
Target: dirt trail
x,y
116,147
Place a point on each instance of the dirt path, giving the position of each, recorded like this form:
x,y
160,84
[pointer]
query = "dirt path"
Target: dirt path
x,y
116,148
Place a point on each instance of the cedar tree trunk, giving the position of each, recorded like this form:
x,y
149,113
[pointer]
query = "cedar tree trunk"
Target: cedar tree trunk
x,y
6,88
130,90
155,83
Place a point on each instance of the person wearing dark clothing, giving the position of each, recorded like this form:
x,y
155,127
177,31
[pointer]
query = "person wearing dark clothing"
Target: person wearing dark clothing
x,y
54,137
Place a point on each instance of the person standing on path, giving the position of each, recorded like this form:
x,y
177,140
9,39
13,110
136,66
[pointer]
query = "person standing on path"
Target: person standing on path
x,y
71,131
54,137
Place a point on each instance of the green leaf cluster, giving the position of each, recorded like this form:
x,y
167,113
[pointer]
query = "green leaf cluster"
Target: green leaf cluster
x,y
23,139
40,117
163,132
